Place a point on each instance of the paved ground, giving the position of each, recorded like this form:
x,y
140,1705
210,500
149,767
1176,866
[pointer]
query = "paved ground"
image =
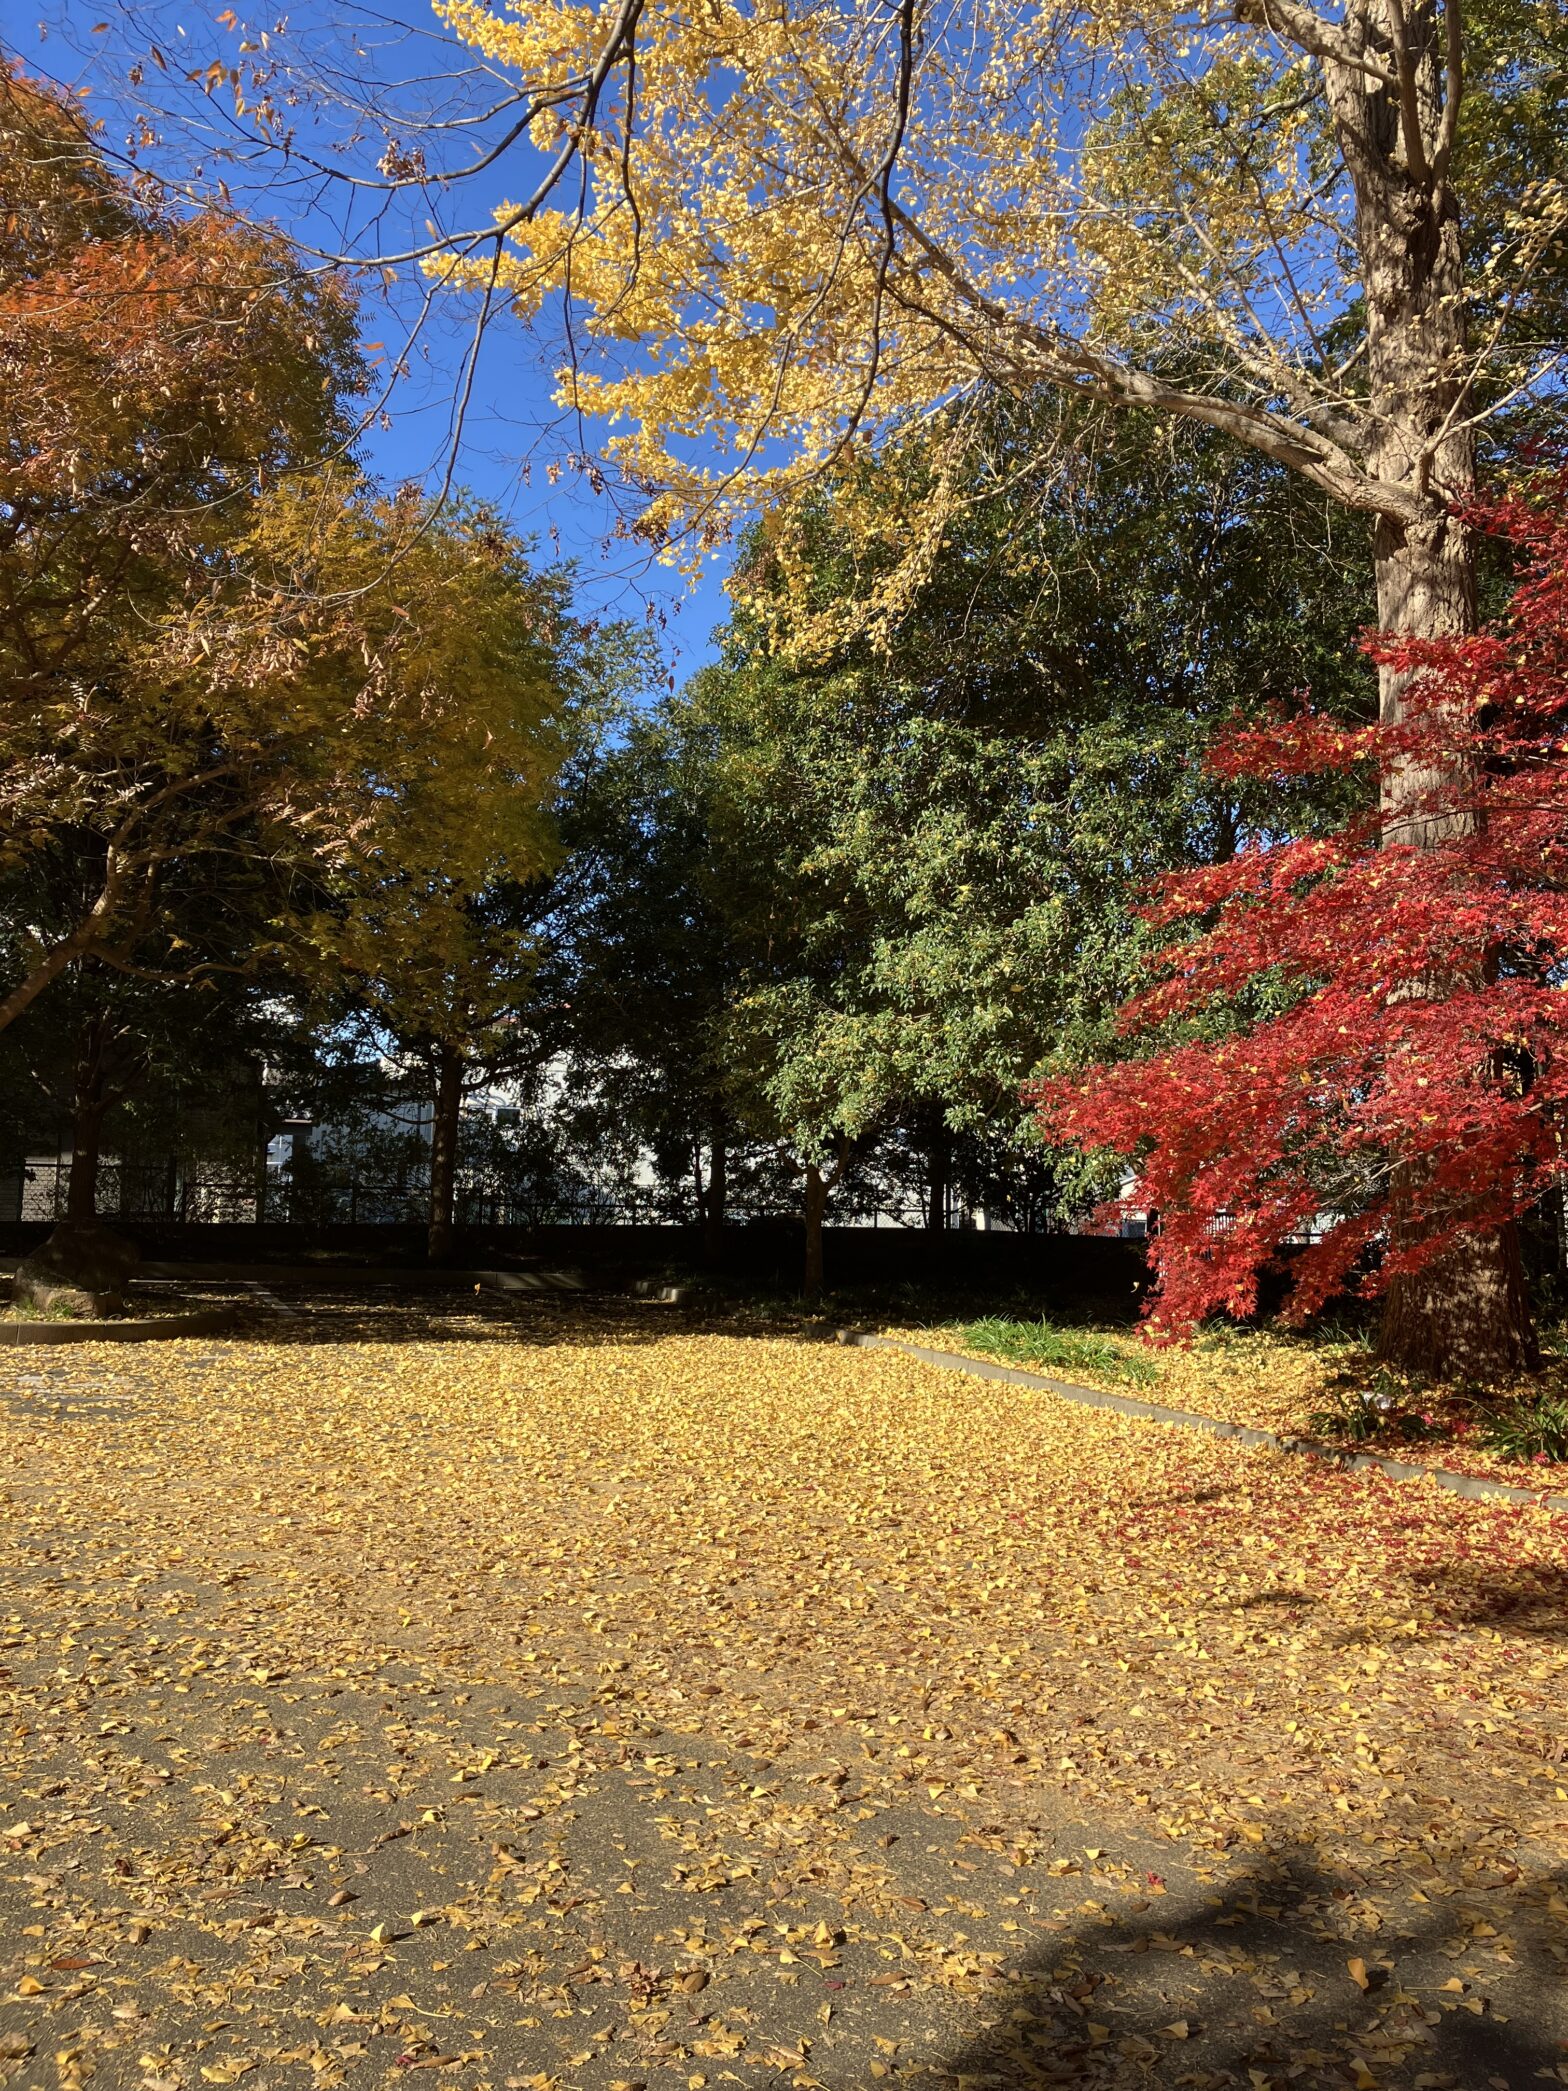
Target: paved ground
x,y
550,1695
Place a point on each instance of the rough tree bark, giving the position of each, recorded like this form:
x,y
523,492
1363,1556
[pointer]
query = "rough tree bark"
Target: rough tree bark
x,y
1467,1312
442,1237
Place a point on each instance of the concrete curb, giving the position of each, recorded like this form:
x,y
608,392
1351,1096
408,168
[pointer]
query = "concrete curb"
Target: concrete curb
x,y
553,1281
323,1277
205,1321
315,1274
1151,1411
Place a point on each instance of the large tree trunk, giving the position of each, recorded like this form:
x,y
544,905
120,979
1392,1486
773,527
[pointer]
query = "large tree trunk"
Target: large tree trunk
x,y
1466,1313
715,1199
816,1212
90,1102
443,1154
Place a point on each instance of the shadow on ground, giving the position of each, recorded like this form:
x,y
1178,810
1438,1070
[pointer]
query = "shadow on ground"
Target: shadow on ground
x,y
1531,1600
1268,1980
390,1313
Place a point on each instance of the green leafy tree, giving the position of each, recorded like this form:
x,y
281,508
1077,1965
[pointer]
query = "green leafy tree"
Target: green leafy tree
x,y
839,911
945,837
651,958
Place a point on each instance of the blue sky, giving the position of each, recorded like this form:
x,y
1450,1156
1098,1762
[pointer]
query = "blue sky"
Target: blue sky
x,y
512,433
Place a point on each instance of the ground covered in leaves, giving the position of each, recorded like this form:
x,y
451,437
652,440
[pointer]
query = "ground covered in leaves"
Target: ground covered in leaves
x,y
553,1695
1326,1385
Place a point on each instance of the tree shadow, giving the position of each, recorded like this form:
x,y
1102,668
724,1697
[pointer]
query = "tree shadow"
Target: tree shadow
x,y
1529,1599
299,1316
391,1310
1274,1977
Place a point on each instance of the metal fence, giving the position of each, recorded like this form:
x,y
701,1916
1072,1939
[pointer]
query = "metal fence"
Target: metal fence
x,y
170,1190
37,1190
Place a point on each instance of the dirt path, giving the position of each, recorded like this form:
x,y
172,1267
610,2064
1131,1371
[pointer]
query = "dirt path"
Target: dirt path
x,y
546,1695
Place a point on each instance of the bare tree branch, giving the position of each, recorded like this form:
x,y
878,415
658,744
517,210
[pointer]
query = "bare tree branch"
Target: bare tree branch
x,y
1453,88
1409,95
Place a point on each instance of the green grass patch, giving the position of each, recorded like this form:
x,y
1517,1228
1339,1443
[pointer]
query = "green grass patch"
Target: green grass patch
x,y
1533,1427
1044,1345
55,1311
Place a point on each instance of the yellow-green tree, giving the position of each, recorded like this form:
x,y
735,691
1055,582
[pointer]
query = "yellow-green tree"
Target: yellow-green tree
x,y
366,704
441,980
434,944
389,683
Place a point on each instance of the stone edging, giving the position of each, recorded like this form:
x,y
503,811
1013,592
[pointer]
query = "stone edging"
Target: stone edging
x,y
1249,1434
204,1321
323,1277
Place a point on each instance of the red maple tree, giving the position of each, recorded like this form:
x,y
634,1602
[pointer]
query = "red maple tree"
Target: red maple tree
x,y
1357,1040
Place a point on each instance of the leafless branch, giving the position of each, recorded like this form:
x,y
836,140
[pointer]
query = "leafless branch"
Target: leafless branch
x,y
1409,94
1453,88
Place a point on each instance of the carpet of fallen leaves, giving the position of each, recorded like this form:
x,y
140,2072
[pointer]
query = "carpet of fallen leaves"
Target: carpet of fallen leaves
x,y
1284,1383
555,1695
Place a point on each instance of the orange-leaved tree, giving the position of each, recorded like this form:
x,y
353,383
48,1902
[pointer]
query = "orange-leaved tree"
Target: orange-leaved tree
x,y
157,375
